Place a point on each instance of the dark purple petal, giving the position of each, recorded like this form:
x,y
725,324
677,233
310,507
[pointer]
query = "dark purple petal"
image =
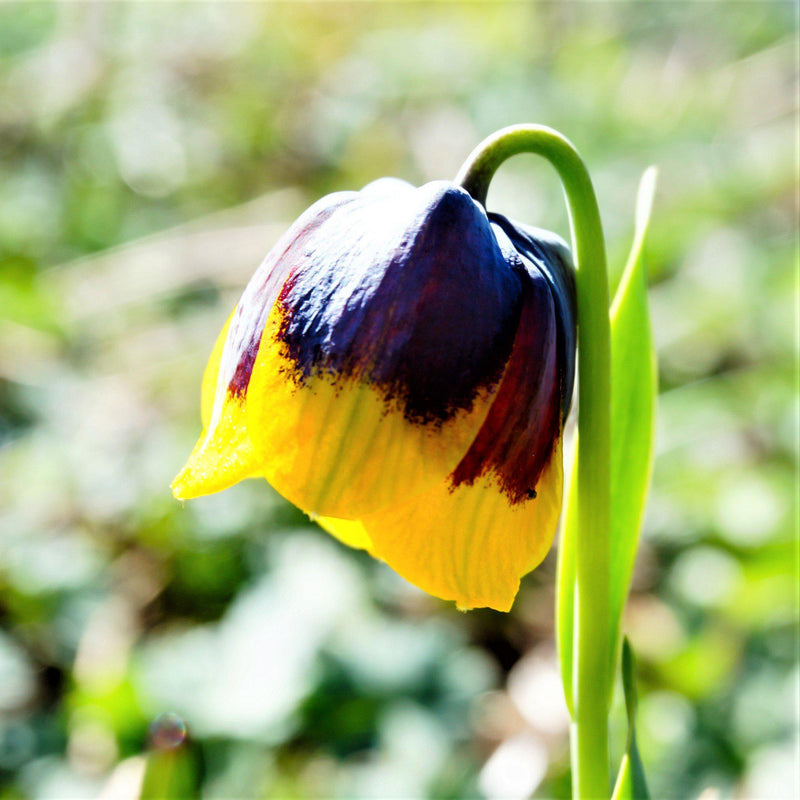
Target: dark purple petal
x,y
544,252
408,289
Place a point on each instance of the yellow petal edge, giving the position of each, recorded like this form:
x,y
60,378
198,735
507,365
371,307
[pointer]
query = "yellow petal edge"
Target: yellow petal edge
x,y
468,545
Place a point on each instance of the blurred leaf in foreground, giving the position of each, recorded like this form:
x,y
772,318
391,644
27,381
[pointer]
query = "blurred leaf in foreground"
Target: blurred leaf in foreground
x,y
172,770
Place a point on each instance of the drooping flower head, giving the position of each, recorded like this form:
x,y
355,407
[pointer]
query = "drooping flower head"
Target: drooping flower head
x,y
400,367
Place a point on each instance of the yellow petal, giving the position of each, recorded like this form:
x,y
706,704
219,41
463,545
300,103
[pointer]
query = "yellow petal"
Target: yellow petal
x,y
338,449
224,454
348,531
208,390
469,544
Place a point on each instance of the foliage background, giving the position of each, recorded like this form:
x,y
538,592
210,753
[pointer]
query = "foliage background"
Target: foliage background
x,y
149,156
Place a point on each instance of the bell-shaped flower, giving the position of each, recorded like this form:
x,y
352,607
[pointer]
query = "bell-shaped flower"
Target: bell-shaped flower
x,y
400,367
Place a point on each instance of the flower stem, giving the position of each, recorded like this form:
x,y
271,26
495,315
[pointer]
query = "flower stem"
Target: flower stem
x,y
590,679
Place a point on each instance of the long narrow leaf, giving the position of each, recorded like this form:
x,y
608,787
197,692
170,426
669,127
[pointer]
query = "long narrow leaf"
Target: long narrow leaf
x,y
174,770
633,396
631,783
565,583
633,409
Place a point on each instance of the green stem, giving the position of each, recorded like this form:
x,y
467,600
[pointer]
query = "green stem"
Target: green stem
x,y
590,690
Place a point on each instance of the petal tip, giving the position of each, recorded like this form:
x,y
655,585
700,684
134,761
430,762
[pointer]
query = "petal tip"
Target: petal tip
x,y
184,486
496,603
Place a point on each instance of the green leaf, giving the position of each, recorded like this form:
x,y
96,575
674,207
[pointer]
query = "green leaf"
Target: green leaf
x,y
633,397
169,776
172,771
565,582
633,408
631,783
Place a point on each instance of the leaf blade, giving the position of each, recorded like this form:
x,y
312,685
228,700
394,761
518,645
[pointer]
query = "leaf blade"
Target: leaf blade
x,y
565,583
631,783
633,409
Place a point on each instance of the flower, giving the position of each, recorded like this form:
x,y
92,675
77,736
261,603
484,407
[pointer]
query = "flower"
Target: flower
x,y
400,367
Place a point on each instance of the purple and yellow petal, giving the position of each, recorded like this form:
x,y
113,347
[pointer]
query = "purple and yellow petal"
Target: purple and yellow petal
x,y
400,367
517,437
407,291
224,453
336,447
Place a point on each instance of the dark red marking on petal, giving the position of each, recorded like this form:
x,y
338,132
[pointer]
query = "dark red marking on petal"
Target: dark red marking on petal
x,y
516,440
238,384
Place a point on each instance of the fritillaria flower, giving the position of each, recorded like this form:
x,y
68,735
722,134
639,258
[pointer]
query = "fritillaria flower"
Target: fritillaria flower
x,y
400,367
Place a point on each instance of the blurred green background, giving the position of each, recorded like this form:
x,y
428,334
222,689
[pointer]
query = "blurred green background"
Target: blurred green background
x,y
150,154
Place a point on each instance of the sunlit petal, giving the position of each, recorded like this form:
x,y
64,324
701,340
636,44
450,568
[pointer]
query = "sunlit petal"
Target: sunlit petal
x,y
470,544
348,531
338,448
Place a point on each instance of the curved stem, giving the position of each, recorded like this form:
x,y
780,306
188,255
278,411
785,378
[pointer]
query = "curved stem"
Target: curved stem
x,y
591,683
